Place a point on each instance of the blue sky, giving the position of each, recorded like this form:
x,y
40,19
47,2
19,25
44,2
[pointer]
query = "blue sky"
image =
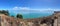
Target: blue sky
x,y
30,6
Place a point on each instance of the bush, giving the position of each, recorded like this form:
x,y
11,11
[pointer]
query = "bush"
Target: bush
x,y
19,16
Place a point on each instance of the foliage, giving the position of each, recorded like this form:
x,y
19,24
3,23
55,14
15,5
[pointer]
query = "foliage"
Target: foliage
x,y
19,16
6,12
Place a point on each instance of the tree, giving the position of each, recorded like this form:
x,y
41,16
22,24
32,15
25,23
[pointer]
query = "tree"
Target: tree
x,y
19,16
6,12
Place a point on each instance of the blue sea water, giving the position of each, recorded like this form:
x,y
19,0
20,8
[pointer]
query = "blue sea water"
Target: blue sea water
x,y
33,15
36,15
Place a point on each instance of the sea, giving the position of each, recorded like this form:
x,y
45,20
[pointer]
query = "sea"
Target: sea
x,y
33,15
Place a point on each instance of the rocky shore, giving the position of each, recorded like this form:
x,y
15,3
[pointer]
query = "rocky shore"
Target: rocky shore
x,y
51,20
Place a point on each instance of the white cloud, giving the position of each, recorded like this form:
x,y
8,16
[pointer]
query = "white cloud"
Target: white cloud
x,y
20,8
29,10
15,8
26,10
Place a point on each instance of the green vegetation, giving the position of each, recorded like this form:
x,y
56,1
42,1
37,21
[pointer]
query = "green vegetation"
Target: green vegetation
x,y
6,12
19,16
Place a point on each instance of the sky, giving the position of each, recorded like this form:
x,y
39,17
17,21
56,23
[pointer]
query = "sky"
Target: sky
x,y
30,6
